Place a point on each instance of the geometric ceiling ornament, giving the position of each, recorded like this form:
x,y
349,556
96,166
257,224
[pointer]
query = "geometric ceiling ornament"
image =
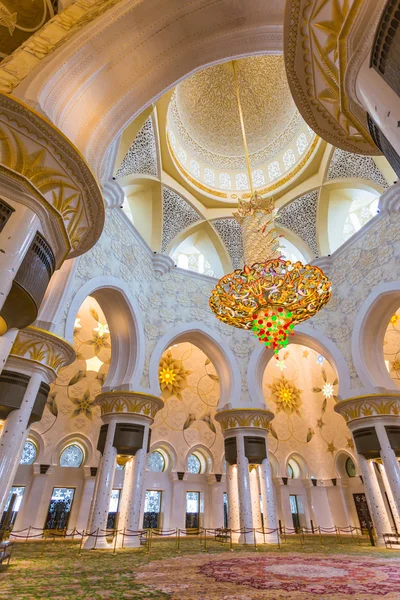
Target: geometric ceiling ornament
x,y
230,232
203,112
316,33
300,216
177,215
141,158
346,164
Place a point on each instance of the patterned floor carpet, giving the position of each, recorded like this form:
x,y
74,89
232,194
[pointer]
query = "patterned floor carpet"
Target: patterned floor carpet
x,y
334,572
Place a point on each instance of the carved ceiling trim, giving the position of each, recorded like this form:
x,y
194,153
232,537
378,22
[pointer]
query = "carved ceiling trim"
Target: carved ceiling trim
x,y
315,36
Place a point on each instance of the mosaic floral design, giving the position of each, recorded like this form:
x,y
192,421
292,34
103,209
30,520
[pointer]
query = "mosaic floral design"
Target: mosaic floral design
x,y
173,376
301,389
391,347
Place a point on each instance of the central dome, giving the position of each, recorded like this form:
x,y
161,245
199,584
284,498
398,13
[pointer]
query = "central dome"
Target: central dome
x,y
206,106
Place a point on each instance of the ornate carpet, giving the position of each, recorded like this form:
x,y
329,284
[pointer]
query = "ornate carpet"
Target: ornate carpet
x,y
274,576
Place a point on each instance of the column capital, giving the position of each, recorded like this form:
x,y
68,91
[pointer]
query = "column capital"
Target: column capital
x,y
369,406
129,403
235,419
34,346
58,183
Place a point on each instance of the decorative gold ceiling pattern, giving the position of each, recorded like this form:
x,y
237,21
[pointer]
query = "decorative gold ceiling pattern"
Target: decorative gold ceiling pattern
x,y
316,44
205,115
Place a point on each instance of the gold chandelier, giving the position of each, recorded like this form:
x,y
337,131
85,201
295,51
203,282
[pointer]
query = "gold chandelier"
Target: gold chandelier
x,y
272,295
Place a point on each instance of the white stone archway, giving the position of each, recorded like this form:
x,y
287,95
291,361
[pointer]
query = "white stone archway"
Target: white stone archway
x,y
307,336
209,342
92,94
126,329
368,336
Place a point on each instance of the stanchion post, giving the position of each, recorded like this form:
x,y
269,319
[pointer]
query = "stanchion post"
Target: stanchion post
x,y
123,537
205,541
278,535
115,540
81,544
95,542
179,541
230,540
255,538
320,536
339,537
27,535
44,545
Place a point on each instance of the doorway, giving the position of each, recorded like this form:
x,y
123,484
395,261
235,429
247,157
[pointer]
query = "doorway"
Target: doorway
x,y
113,510
363,513
192,510
60,508
294,509
152,509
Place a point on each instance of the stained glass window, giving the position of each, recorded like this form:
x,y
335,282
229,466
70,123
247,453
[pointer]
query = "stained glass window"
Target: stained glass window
x,y
195,168
28,453
301,143
192,509
289,159
209,176
152,509
350,468
225,181
182,156
241,181
258,178
194,464
15,490
72,456
59,509
274,170
156,462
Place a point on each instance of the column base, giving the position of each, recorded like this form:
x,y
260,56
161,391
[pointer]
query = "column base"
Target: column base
x,y
246,538
101,544
132,542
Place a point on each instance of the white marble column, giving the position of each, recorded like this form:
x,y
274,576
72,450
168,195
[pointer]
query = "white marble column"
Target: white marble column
x,y
6,342
86,500
380,101
134,508
16,238
14,435
255,498
375,500
104,489
390,462
392,503
233,500
268,498
245,507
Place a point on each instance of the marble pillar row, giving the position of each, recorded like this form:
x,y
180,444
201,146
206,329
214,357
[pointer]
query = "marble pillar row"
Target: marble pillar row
x,y
129,416
35,358
105,477
390,463
246,453
392,503
375,499
367,418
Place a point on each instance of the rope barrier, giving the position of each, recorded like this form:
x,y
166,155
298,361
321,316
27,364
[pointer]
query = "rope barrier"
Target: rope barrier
x,y
205,535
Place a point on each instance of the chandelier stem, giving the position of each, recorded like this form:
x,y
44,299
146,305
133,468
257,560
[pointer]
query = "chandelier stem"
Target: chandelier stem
x,y
246,150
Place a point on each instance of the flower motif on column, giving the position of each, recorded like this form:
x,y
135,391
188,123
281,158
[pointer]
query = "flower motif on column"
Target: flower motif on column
x,y
244,417
129,402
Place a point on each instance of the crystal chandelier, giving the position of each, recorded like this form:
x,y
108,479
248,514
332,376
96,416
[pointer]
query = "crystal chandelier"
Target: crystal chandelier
x,y
272,295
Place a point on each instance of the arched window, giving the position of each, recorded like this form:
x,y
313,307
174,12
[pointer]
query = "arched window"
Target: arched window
x,y
258,178
195,168
242,181
301,143
71,456
350,467
274,170
156,463
293,469
289,159
225,181
29,453
363,207
194,464
189,257
209,176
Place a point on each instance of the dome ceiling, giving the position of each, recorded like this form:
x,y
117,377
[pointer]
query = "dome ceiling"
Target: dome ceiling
x,y
205,113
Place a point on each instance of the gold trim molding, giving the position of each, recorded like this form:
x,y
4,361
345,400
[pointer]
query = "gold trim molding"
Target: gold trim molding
x,y
235,418
33,150
373,405
129,402
49,38
43,347
316,36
